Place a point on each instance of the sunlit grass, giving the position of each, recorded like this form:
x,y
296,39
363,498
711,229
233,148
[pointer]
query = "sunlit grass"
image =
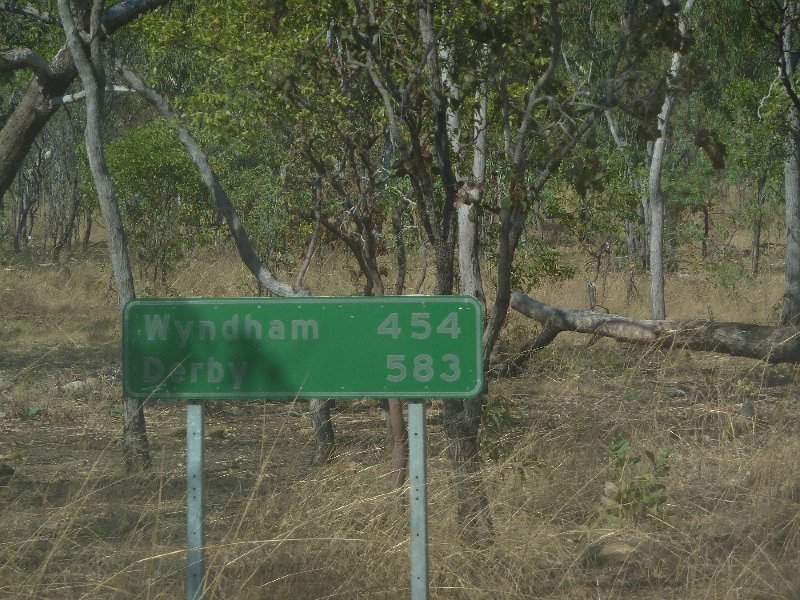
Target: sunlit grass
x,y
73,524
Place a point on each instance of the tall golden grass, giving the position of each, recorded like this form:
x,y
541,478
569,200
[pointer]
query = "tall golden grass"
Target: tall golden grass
x,y
73,524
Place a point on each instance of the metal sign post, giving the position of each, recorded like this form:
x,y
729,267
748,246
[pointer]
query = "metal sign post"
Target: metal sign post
x,y
195,500
408,347
418,505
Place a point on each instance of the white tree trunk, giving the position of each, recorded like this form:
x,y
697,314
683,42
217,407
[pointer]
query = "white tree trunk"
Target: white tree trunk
x,y
790,310
468,240
656,195
134,435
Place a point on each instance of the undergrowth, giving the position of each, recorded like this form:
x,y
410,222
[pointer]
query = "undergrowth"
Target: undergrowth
x,y
611,471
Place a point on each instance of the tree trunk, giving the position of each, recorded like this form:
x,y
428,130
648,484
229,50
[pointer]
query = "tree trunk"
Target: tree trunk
x,y
462,419
469,265
656,206
671,230
444,249
770,344
758,221
397,429
655,193
400,249
135,445
461,423
320,415
790,310
706,230
312,243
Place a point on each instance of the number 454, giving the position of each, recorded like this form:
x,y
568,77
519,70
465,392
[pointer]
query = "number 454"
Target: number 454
x,y
420,326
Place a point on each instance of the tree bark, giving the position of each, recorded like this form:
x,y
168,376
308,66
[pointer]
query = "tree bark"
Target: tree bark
x,y
445,243
469,265
397,428
762,342
656,206
655,193
790,310
135,444
462,418
320,415
758,221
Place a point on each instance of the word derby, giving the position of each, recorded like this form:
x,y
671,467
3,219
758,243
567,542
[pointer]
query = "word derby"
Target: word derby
x,y
336,347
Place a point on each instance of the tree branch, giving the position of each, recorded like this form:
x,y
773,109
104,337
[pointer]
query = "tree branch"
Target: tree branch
x,y
248,255
34,110
23,58
29,11
544,78
78,96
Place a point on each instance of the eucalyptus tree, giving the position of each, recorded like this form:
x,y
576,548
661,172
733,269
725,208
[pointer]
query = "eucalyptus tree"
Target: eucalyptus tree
x,y
779,21
80,21
536,116
786,37
51,78
655,192
22,125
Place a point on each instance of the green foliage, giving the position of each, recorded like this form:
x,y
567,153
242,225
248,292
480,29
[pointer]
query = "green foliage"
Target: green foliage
x,y
638,486
5,228
262,196
536,263
594,195
753,116
163,200
727,274
497,422
32,412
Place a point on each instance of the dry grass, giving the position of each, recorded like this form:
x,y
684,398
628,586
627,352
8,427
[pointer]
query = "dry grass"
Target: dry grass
x,y
74,525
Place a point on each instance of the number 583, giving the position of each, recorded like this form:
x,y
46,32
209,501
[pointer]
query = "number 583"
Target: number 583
x,y
422,367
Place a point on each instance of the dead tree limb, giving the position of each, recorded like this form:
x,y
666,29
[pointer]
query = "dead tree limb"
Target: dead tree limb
x,y
762,342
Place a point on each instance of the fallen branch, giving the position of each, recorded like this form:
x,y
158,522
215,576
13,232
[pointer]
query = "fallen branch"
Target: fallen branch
x,y
762,342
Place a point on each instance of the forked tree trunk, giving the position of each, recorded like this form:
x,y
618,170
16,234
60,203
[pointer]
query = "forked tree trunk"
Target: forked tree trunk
x,y
36,107
462,418
135,444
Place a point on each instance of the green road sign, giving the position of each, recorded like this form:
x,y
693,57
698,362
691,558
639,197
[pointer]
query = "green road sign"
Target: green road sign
x,y
330,347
